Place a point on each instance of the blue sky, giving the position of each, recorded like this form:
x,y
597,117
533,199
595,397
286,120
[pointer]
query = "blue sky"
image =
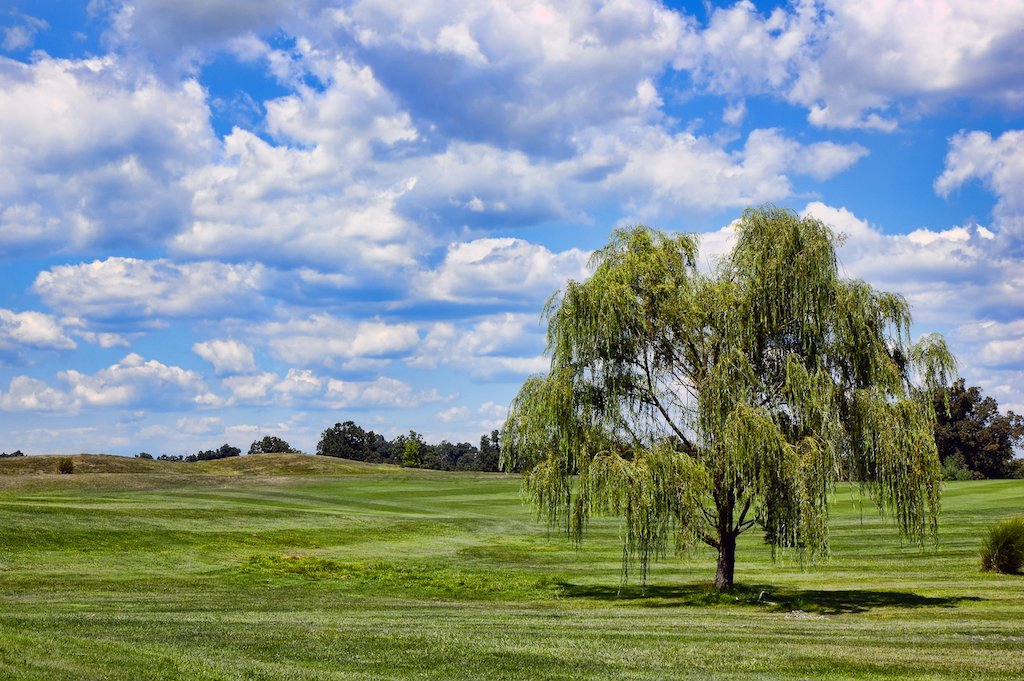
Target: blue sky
x,y
222,219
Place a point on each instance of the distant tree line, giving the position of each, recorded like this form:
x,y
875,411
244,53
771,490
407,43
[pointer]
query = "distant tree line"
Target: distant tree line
x,y
223,452
5,455
349,441
975,440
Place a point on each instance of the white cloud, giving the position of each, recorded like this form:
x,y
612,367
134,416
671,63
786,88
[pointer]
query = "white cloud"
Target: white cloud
x,y
489,270
853,64
134,381
491,346
251,389
31,330
999,164
453,414
227,356
199,425
269,388
131,291
29,394
947,275
21,34
17,37
524,75
275,203
179,32
352,112
131,382
381,392
686,170
735,113
323,339
93,153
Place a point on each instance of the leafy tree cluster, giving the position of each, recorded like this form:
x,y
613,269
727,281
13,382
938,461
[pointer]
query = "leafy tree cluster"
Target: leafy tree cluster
x,y
17,452
974,439
271,444
698,405
223,452
350,441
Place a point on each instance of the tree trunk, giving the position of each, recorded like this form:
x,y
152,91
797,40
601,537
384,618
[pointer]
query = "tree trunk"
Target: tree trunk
x,y
726,561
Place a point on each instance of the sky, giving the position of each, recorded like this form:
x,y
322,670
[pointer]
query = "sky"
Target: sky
x,y
224,219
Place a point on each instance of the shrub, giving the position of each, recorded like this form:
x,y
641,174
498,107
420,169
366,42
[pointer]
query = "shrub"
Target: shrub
x,y
954,468
66,465
1003,549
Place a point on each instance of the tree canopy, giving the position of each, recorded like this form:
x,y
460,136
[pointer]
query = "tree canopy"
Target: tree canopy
x,y
973,436
698,405
271,444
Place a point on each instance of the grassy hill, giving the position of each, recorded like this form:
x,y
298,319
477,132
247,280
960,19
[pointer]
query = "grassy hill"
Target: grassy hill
x,y
290,567
255,464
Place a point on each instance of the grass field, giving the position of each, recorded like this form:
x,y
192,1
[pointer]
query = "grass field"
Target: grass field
x,y
291,567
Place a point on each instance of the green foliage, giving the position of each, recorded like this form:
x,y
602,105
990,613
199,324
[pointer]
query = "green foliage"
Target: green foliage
x,y
349,441
412,452
271,444
66,465
696,406
970,432
225,451
1003,547
954,468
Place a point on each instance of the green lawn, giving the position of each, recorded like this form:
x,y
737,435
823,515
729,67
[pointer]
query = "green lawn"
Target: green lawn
x,y
246,570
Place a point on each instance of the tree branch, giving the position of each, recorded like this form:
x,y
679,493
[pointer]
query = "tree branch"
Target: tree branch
x,y
657,403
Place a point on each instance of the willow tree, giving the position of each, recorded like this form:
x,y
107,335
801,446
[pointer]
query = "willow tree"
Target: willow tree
x,y
696,406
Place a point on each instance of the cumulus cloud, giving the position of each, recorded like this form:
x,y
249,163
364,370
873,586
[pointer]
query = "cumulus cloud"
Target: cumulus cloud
x,y
178,33
227,356
948,275
198,425
129,291
294,205
332,341
488,416
93,153
689,171
349,113
21,331
519,75
134,381
488,347
999,164
491,270
30,394
825,56
381,392
131,382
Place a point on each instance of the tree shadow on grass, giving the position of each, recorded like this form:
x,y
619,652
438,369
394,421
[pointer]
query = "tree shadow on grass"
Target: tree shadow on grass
x,y
844,601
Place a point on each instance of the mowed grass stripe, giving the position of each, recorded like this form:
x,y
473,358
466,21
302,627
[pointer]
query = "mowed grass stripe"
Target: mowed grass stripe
x,y
402,574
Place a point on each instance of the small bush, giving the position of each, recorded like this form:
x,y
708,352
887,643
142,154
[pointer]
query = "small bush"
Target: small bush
x,y
1003,548
954,468
66,466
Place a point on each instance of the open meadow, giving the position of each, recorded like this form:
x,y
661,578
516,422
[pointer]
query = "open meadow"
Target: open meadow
x,y
295,567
